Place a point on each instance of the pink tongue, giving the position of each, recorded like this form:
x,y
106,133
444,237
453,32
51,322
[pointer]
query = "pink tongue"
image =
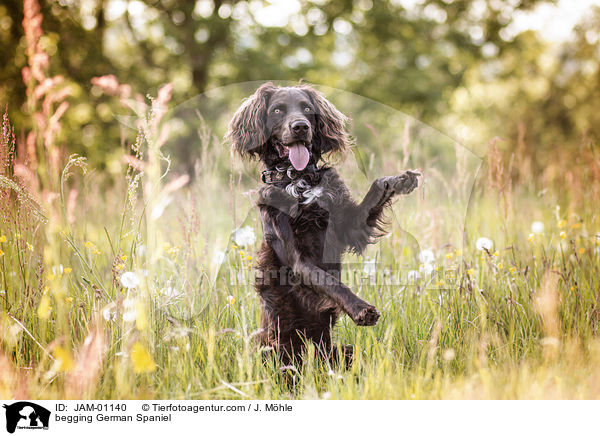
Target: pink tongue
x,y
299,156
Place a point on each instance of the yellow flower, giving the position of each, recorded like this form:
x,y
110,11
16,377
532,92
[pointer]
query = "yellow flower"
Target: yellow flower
x,y
573,288
89,244
531,237
18,235
230,299
96,251
581,250
470,271
1,253
458,252
449,255
496,253
500,266
576,225
141,320
124,257
563,234
513,269
562,224
242,253
119,267
2,239
29,246
68,270
64,361
51,276
249,257
44,309
142,360
69,300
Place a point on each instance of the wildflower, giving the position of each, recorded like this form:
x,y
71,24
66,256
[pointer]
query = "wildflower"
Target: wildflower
x,y
230,299
573,288
500,266
581,250
413,276
244,236
2,239
18,235
513,269
89,244
69,300
218,257
448,354
496,253
1,253
576,225
531,237
248,257
109,313
563,235
369,266
562,224
123,257
537,227
449,256
142,360
68,270
96,251
458,252
119,267
29,246
426,268
130,280
141,321
471,271
44,309
426,256
64,361
484,244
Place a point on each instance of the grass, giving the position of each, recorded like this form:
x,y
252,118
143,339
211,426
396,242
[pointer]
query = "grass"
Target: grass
x,y
107,293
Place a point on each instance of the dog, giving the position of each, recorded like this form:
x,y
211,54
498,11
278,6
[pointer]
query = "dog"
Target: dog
x,y
308,216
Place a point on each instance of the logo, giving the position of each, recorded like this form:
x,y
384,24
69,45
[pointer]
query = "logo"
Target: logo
x,y
26,415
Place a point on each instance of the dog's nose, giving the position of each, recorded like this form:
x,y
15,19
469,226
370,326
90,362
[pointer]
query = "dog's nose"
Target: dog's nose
x,y
299,127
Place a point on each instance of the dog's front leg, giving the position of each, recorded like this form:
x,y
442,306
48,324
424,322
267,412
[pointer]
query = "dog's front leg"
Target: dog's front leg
x,y
383,190
361,312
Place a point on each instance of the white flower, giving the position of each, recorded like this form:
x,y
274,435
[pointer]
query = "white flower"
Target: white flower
x,y
218,257
413,276
130,315
130,280
484,243
426,268
369,266
537,227
109,313
244,236
426,256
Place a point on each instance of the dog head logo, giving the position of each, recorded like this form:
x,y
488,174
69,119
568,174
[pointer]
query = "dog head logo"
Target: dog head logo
x,y
26,415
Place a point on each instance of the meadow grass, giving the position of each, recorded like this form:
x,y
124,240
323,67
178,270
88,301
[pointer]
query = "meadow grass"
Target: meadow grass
x,y
110,292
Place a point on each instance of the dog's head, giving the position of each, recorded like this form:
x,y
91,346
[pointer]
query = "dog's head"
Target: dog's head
x,y
287,125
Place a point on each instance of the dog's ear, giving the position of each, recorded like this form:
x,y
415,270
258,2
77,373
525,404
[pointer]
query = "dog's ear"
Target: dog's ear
x,y
330,132
247,130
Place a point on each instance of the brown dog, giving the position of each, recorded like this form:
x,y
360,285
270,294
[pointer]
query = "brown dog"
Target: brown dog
x,y
309,218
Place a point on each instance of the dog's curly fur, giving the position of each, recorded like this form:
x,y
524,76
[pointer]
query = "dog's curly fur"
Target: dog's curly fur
x,y
309,218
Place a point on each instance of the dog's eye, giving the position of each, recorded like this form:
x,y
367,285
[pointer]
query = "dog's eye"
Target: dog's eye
x,y
277,111
306,109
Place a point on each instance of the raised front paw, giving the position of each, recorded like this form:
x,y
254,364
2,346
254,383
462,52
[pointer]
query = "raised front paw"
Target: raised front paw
x,y
365,315
405,183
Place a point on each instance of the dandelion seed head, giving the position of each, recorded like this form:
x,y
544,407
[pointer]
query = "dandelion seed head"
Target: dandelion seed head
x,y
484,244
129,280
537,227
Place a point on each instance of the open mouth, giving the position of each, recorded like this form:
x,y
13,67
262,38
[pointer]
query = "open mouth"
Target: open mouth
x,y
297,152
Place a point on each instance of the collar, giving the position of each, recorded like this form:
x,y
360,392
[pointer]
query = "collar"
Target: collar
x,y
286,174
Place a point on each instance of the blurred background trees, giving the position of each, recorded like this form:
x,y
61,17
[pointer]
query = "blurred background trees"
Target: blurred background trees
x,y
461,66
